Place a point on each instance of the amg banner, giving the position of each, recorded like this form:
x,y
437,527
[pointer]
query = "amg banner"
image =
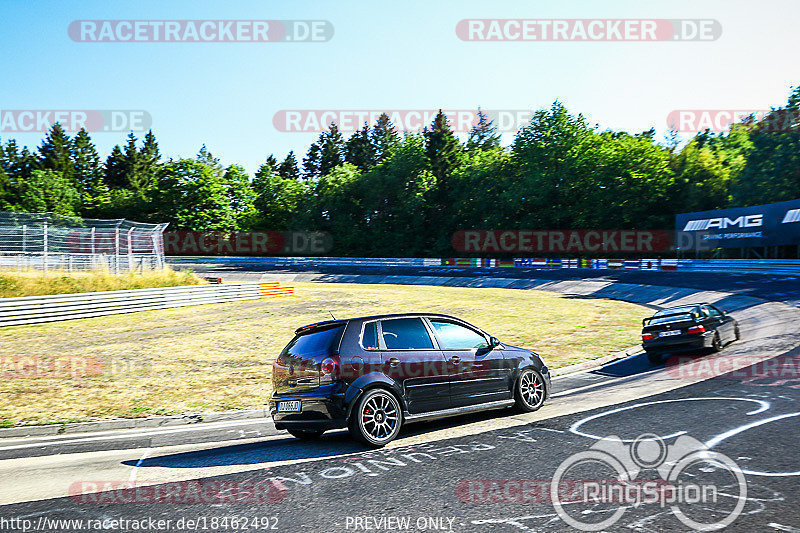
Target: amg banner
x,y
759,225
570,241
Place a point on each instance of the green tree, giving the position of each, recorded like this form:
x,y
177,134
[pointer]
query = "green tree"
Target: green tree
x,y
772,170
444,154
483,134
331,150
55,152
311,162
384,138
47,191
88,174
241,195
191,195
288,167
359,150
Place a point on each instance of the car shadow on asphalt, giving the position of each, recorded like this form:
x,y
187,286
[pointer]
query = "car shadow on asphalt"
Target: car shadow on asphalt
x,y
331,444
270,451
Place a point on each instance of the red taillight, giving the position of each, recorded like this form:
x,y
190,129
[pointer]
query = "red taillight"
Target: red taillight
x,y
329,368
647,336
696,329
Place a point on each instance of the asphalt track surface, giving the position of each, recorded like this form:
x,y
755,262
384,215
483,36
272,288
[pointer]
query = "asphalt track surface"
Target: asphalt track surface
x,y
486,472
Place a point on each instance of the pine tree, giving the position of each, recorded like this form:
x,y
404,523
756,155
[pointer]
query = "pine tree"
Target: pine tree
x,y
384,138
288,167
311,162
55,153
443,150
136,172
483,135
359,150
208,159
331,150
88,176
115,169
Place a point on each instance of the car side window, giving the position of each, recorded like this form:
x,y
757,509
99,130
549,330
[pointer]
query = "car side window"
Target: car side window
x,y
406,334
713,312
369,336
456,337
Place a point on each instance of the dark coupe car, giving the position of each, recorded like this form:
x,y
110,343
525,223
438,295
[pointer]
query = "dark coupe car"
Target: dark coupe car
x,y
373,374
687,328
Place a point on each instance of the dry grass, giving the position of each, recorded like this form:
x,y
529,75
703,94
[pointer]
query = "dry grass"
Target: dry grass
x,y
37,283
218,357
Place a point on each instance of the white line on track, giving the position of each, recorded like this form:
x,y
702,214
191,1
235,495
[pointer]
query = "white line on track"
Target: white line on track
x,y
198,427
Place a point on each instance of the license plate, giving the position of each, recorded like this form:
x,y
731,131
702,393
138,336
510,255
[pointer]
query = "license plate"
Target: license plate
x,y
291,406
669,333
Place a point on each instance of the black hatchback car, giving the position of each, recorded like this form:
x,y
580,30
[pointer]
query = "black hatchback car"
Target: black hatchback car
x,y
373,374
687,328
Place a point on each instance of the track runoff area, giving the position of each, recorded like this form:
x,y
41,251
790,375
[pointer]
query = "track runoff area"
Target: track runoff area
x,y
629,446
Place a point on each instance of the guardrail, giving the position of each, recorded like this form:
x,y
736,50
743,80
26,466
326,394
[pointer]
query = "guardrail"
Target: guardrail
x,y
40,309
733,266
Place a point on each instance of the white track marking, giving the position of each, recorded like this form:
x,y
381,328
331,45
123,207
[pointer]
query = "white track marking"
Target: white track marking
x,y
132,477
122,436
764,405
719,438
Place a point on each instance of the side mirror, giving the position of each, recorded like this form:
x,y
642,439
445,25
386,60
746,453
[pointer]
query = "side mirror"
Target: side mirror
x,y
493,341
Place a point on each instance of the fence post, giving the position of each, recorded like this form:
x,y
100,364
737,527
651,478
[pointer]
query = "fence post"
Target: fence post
x,y
44,255
130,249
116,250
24,238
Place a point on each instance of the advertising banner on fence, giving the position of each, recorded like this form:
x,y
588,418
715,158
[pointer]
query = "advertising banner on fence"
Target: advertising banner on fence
x,y
759,225
247,243
570,241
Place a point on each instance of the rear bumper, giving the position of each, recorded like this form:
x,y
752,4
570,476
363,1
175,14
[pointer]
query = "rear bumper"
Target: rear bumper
x,y
680,343
316,411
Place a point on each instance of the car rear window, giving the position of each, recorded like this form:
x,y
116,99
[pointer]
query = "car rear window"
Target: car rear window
x,y
316,342
686,312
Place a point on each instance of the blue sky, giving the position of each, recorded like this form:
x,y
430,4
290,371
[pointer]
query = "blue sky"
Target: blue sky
x,y
403,55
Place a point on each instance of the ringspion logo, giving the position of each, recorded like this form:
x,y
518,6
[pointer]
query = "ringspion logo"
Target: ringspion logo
x,y
588,30
72,120
200,31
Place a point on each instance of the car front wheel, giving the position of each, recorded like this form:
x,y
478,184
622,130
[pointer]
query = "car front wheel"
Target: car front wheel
x,y
376,418
530,392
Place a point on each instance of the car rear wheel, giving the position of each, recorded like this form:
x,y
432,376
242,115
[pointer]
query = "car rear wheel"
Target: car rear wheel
x,y
530,392
306,434
654,357
716,343
376,418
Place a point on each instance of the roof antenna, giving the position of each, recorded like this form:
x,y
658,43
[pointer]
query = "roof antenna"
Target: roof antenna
x,y
332,315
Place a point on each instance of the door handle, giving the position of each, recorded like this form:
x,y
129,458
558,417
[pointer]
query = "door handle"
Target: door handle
x,y
394,361
455,359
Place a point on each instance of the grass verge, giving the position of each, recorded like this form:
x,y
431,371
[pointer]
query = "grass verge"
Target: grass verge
x,y
218,357
33,283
